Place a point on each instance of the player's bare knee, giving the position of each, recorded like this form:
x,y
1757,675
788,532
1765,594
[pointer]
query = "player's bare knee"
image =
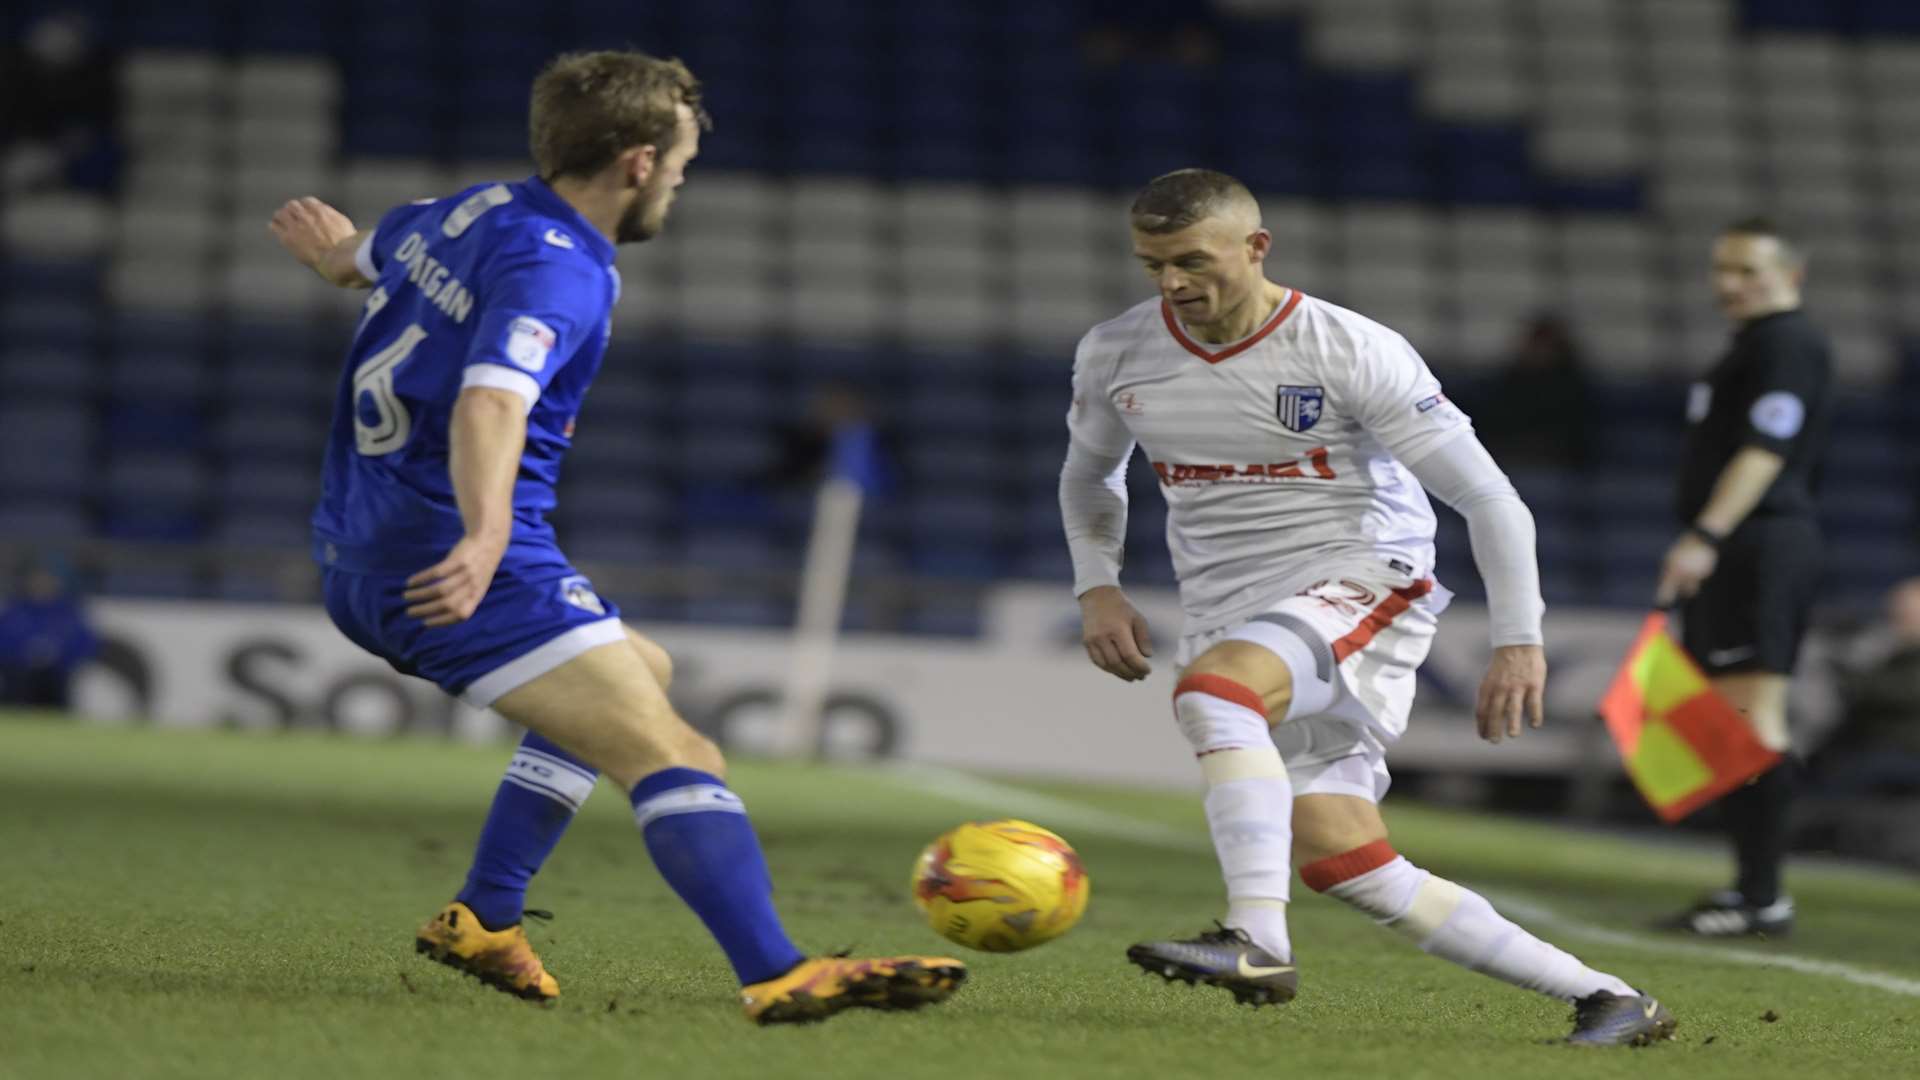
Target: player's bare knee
x,y
704,754
1325,826
1252,667
657,659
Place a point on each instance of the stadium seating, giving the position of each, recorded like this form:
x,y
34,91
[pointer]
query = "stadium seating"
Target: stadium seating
x,y
925,202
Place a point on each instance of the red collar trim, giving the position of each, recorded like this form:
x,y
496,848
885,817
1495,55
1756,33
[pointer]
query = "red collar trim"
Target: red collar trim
x,y
1180,334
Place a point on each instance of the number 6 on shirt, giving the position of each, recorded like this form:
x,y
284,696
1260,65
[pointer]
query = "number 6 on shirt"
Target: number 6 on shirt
x,y
373,382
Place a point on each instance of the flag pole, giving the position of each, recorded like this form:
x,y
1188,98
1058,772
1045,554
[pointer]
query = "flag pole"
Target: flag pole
x,y
823,589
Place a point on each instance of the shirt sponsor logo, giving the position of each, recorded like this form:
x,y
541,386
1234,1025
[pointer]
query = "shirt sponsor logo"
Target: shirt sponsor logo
x,y
1172,475
1298,407
529,341
1129,402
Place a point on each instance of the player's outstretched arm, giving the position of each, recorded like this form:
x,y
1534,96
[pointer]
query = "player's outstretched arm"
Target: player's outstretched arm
x,y
1463,475
489,432
322,238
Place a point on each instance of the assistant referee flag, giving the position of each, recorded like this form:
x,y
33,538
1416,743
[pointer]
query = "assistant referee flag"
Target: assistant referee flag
x,y
1683,744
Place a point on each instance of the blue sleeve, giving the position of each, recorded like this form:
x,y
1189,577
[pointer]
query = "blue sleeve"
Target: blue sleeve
x,y
534,317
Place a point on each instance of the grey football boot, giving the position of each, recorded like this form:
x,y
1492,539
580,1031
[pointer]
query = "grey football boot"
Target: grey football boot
x,y
1608,1019
1223,957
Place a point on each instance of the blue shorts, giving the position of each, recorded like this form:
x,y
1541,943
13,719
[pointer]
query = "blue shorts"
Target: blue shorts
x,y
532,620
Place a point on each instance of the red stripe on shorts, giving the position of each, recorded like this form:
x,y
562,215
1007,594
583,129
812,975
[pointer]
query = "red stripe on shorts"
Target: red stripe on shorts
x,y
1328,872
1223,688
1380,618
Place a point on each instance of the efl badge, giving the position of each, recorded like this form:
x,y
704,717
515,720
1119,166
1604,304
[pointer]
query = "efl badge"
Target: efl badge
x,y
1298,407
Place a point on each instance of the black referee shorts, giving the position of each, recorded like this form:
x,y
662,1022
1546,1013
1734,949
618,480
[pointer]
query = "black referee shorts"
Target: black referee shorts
x,y
1751,614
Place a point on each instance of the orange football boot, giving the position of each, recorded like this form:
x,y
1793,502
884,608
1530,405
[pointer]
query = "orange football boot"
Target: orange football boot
x,y
816,989
503,959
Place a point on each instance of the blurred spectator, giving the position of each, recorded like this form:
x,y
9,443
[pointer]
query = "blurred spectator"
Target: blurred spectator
x,y
836,432
58,98
1876,746
1539,410
44,636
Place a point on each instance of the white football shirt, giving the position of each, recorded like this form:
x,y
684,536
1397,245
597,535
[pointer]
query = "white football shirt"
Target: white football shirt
x,y
1281,456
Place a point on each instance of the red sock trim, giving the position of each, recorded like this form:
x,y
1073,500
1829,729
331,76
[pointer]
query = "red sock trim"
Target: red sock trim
x,y
1325,874
1223,688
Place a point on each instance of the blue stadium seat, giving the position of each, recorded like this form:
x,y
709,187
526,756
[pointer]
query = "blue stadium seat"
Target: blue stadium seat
x,y
282,527
152,583
587,504
155,495
735,549
953,408
1483,164
269,486
954,464
135,425
606,543
48,323
48,372
939,519
1045,562
43,520
291,436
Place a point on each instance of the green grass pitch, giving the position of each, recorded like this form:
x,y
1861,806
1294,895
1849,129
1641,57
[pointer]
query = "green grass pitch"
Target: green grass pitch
x,y
229,905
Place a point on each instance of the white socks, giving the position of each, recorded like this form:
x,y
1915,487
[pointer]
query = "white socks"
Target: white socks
x,y
1249,803
1452,923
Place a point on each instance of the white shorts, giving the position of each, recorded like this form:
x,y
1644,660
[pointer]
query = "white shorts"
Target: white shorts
x,y
1376,627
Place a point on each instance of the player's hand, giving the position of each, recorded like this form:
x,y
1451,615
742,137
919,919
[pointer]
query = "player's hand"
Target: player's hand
x,y
1515,687
1114,633
1689,562
309,229
448,591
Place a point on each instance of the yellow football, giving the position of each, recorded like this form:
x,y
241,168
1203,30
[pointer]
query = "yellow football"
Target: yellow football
x,y
1000,886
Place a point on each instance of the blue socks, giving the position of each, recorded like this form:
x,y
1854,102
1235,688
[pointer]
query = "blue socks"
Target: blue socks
x,y
544,787
701,841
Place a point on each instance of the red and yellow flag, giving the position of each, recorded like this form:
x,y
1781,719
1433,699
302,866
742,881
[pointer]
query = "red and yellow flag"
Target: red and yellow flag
x,y
1683,744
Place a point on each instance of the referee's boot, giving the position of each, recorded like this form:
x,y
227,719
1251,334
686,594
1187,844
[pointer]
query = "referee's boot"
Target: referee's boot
x,y
502,959
1727,914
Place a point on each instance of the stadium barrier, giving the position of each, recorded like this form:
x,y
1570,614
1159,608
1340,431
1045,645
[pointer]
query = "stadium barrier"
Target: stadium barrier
x,y
1021,699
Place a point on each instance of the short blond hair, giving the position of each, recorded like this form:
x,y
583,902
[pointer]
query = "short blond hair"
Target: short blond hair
x,y
590,107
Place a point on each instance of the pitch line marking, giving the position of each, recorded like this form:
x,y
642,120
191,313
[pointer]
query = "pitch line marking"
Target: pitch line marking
x,y
1069,815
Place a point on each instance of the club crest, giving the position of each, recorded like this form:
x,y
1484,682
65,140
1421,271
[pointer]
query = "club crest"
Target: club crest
x,y
1298,407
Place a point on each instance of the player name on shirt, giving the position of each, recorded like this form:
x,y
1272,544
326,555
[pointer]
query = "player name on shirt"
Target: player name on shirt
x,y
435,281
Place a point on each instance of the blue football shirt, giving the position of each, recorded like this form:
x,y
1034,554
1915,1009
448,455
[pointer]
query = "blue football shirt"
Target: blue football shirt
x,y
501,285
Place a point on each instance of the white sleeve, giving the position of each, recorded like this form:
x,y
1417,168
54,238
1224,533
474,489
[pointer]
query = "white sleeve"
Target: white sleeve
x,y
1396,398
1093,482
1093,505
363,258
1460,473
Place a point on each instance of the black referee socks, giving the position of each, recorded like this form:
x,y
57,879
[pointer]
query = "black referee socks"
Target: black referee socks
x,y
1758,818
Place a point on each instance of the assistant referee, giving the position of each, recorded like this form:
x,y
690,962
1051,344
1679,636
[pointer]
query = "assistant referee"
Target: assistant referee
x,y
1747,563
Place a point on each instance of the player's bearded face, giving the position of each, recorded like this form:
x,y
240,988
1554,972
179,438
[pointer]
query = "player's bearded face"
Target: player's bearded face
x,y
647,214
